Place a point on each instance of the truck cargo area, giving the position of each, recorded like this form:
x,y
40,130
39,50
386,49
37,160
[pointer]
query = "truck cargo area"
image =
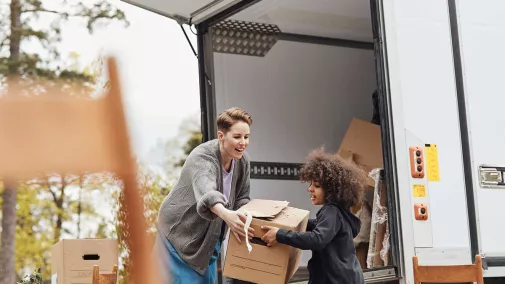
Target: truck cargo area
x,y
306,72
311,74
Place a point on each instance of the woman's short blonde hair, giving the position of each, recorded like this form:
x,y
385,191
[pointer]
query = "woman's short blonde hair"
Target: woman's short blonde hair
x,y
229,117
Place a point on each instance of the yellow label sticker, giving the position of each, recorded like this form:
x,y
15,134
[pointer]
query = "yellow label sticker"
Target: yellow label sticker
x,y
431,151
419,190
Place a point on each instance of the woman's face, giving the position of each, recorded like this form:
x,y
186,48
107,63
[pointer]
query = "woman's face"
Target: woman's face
x,y
235,140
316,193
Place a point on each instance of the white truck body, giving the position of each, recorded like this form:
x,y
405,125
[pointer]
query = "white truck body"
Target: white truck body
x,y
437,66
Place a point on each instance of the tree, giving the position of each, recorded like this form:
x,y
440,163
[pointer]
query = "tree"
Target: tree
x,y
47,209
166,157
7,257
32,231
21,27
153,190
171,154
153,186
36,73
195,139
190,130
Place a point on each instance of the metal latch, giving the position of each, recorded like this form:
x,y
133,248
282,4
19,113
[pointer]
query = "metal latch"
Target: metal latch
x,y
484,262
491,177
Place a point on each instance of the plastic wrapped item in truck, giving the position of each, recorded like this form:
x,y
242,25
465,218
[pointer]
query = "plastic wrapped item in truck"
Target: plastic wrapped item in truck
x,y
378,249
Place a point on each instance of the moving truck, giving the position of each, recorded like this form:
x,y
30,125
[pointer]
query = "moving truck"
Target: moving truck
x,y
306,69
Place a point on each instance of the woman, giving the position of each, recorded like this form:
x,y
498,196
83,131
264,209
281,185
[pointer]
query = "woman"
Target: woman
x,y
213,184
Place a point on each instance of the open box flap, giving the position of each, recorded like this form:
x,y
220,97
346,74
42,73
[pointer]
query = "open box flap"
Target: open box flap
x,y
260,208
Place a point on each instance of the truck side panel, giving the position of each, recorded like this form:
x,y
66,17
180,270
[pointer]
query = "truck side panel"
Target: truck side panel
x,y
424,107
482,37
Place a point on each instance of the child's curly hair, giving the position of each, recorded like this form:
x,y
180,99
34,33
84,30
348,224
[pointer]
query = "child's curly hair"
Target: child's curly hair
x,y
343,182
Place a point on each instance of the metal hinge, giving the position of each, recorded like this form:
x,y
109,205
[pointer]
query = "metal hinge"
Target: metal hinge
x,y
491,177
484,262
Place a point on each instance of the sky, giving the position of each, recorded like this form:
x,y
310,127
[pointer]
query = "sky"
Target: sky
x,y
159,71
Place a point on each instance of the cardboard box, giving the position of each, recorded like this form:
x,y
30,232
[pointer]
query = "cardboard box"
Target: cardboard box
x,y
269,265
73,259
362,144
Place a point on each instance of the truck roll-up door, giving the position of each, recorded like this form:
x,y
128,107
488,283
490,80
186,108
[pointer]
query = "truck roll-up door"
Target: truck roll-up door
x,y
185,11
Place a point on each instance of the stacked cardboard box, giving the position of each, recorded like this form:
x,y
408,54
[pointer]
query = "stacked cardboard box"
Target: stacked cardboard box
x,y
362,144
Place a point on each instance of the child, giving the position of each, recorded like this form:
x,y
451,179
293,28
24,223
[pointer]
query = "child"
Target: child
x,y
337,185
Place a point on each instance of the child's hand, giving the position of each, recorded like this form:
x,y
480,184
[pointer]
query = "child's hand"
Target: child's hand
x,y
271,236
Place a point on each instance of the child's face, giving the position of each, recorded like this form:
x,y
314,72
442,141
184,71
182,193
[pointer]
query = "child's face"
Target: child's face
x,y
316,193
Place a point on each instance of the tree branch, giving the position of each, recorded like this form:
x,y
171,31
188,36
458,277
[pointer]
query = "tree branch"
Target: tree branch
x,y
4,42
99,11
40,10
55,198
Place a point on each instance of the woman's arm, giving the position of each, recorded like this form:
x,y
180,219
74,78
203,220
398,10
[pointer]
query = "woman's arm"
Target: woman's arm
x,y
210,202
244,191
203,170
328,224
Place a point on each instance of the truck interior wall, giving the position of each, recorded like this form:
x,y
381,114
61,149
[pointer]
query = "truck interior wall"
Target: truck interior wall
x,y
300,96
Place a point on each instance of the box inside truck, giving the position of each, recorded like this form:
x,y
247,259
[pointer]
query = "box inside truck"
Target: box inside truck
x,y
311,74
306,73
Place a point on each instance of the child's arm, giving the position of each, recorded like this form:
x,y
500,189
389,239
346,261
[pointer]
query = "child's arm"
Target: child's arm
x,y
311,225
328,224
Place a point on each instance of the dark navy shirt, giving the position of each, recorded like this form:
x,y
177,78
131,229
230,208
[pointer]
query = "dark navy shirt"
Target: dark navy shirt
x,y
330,238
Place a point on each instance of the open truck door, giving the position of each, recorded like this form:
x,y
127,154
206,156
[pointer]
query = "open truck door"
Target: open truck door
x,y
185,12
305,69
478,34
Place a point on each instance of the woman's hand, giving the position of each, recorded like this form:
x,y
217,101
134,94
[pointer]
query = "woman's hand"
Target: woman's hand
x,y
271,236
235,221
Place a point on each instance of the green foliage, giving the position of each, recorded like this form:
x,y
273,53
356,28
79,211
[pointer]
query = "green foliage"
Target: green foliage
x,y
46,204
33,238
47,209
153,190
33,278
195,139
24,26
49,206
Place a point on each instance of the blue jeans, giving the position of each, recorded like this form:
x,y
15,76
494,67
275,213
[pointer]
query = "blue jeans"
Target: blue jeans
x,y
179,271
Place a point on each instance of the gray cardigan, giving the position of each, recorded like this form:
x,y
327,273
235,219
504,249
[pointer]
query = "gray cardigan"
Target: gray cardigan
x,y
185,216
